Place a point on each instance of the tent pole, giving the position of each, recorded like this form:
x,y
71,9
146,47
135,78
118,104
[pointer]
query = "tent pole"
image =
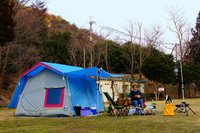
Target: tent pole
x,y
87,91
97,95
101,92
20,91
69,95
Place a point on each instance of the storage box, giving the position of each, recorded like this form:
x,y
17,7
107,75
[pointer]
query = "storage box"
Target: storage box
x,y
85,112
124,101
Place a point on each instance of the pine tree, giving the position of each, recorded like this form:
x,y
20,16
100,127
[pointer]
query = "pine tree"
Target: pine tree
x,y
7,34
7,22
194,49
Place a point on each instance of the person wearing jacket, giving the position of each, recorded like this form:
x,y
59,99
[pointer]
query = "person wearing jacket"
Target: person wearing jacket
x,y
136,97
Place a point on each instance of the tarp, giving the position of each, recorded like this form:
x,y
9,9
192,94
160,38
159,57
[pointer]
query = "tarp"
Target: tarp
x,y
58,68
93,71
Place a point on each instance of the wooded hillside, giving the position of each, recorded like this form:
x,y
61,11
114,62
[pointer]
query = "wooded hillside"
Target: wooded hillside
x,y
33,35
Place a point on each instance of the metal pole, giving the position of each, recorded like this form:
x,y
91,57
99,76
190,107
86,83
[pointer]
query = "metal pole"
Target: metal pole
x,y
182,80
84,56
176,51
91,54
128,85
91,22
97,95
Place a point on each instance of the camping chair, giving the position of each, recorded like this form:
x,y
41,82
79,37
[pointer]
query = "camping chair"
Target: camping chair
x,y
132,106
122,109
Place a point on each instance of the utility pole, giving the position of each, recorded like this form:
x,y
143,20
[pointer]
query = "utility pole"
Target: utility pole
x,y
84,55
176,51
91,59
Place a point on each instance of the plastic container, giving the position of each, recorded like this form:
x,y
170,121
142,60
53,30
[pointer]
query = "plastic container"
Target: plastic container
x,y
85,112
94,109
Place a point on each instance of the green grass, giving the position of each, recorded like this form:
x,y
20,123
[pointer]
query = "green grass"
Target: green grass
x,y
179,123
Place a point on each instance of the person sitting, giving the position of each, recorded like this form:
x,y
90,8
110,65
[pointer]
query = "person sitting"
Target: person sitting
x,y
136,97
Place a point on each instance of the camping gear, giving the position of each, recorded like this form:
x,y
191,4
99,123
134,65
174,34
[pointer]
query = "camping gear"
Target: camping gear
x,y
132,111
93,109
77,109
150,107
97,72
123,110
169,108
50,89
183,108
85,112
124,101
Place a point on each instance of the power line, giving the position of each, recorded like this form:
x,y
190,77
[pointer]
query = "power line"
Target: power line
x,y
127,35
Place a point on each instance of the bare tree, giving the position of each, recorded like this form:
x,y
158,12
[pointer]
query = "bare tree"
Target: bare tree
x,y
140,64
26,57
101,49
20,31
152,38
132,35
81,41
105,49
179,26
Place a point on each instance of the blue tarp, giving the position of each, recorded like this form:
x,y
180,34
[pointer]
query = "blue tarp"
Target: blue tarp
x,y
94,72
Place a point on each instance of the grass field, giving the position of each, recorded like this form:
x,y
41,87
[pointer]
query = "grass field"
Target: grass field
x,y
158,123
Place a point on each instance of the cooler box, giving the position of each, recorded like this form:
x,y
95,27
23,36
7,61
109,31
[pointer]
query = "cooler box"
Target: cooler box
x,y
85,112
94,109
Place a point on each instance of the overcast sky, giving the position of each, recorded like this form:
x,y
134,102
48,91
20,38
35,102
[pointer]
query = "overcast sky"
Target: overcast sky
x,y
117,13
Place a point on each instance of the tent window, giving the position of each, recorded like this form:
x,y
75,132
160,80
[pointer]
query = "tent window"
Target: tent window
x,y
54,97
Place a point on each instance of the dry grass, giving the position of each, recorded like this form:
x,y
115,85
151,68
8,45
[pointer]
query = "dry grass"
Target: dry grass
x,y
106,123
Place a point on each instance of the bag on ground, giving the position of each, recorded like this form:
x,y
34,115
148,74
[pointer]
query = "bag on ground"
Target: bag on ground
x,y
169,108
132,111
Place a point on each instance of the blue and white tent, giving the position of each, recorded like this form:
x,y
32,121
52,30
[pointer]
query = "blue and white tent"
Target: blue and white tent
x,y
50,89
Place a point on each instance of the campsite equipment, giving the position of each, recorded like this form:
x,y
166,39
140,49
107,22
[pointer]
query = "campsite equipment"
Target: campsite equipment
x,y
124,101
85,112
77,109
97,72
46,88
132,111
123,110
183,108
50,89
153,104
93,109
169,108
150,107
